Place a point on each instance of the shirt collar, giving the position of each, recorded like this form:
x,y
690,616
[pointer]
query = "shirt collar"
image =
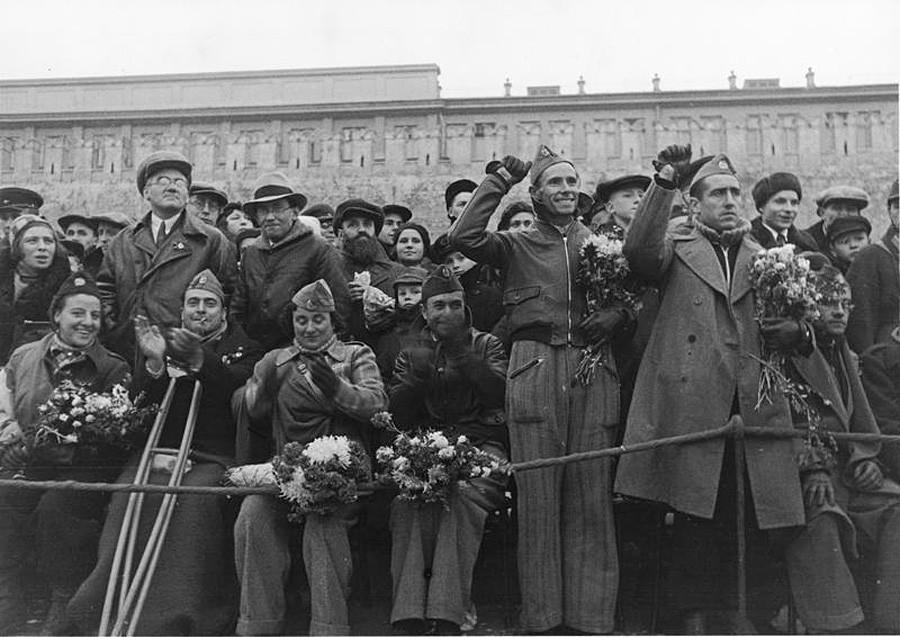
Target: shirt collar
x,y
775,232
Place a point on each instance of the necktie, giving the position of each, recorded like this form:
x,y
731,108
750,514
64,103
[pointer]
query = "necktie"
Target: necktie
x,y
161,236
779,240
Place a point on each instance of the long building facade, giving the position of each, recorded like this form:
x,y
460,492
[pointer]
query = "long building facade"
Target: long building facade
x,y
386,134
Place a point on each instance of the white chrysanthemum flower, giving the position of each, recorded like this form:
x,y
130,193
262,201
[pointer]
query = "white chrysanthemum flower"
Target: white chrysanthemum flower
x,y
438,440
322,450
294,490
384,454
401,463
447,452
73,438
462,440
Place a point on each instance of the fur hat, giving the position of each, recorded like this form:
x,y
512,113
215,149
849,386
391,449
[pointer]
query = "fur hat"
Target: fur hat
x,y
769,186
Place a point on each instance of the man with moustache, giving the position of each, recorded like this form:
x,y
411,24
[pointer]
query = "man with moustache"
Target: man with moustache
x,y
285,257
148,266
568,567
777,199
357,224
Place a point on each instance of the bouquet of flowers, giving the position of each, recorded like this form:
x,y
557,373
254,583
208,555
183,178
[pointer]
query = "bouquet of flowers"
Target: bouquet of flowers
x,y
427,465
784,287
607,281
78,422
320,476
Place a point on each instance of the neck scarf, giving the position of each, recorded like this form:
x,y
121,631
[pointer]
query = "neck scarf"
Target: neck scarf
x,y
727,238
324,347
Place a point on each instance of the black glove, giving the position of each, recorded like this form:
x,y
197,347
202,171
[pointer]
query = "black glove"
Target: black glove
x,y
323,376
601,324
781,334
676,156
510,169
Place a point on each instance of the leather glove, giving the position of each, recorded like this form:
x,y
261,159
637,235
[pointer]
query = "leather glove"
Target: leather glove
x,y
817,489
420,363
511,170
185,347
323,376
600,324
782,334
867,476
678,158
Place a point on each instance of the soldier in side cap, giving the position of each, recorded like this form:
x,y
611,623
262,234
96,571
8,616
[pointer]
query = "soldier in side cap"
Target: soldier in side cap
x,y
287,256
206,202
699,369
208,348
15,201
452,377
317,386
874,279
568,570
777,198
147,267
832,203
457,196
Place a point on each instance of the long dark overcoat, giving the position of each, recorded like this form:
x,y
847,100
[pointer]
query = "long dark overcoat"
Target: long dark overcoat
x,y
697,360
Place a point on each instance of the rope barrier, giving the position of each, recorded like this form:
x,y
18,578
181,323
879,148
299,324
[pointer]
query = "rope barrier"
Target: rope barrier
x,y
367,488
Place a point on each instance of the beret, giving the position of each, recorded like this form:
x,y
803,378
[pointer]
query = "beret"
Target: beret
x,y
412,225
77,283
511,211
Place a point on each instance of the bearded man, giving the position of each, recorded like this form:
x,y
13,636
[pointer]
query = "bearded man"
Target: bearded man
x,y
357,224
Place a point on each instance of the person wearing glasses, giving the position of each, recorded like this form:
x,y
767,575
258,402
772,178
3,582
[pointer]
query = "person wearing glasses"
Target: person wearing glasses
x,y
206,202
149,265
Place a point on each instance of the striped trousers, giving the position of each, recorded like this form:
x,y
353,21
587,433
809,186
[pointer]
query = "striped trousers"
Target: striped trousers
x,y
568,564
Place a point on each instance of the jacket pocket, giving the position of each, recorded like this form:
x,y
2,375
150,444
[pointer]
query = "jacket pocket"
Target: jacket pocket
x,y
517,296
528,393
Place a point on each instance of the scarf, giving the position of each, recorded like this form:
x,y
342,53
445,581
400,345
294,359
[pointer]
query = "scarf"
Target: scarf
x,y
63,355
725,239
213,336
324,347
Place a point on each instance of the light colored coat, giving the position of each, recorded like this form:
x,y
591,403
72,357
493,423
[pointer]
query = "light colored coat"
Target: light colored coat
x,y
696,361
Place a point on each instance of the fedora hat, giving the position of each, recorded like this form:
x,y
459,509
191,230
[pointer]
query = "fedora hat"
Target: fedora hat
x,y
272,187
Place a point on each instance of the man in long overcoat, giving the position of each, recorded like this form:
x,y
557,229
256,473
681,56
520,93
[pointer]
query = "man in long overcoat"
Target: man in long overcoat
x,y
148,267
698,371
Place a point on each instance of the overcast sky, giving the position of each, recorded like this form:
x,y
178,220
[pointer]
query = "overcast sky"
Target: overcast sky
x,y
616,45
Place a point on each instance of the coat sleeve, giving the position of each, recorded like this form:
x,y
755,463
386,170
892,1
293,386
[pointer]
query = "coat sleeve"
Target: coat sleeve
x,y
469,233
865,287
862,420
489,373
261,388
648,247
237,309
106,281
223,377
407,391
882,387
361,395
225,263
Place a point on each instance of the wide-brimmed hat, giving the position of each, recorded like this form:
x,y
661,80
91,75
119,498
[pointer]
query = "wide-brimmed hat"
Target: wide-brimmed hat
x,y
272,187
358,207
208,190
66,220
161,160
605,189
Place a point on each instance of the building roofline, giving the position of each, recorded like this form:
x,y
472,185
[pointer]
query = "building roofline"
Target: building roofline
x,y
223,75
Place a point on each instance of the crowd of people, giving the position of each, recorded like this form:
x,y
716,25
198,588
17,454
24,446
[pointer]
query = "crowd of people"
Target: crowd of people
x,y
303,320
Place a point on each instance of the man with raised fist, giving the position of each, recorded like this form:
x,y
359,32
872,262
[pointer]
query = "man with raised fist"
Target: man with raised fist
x,y
568,568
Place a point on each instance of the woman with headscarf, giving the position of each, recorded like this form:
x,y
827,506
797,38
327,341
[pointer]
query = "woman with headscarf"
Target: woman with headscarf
x,y
412,244
61,526
32,268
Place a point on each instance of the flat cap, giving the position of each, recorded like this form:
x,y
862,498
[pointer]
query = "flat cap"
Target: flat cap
x,y
851,194
411,276
396,209
358,207
846,225
161,160
208,190
117,219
